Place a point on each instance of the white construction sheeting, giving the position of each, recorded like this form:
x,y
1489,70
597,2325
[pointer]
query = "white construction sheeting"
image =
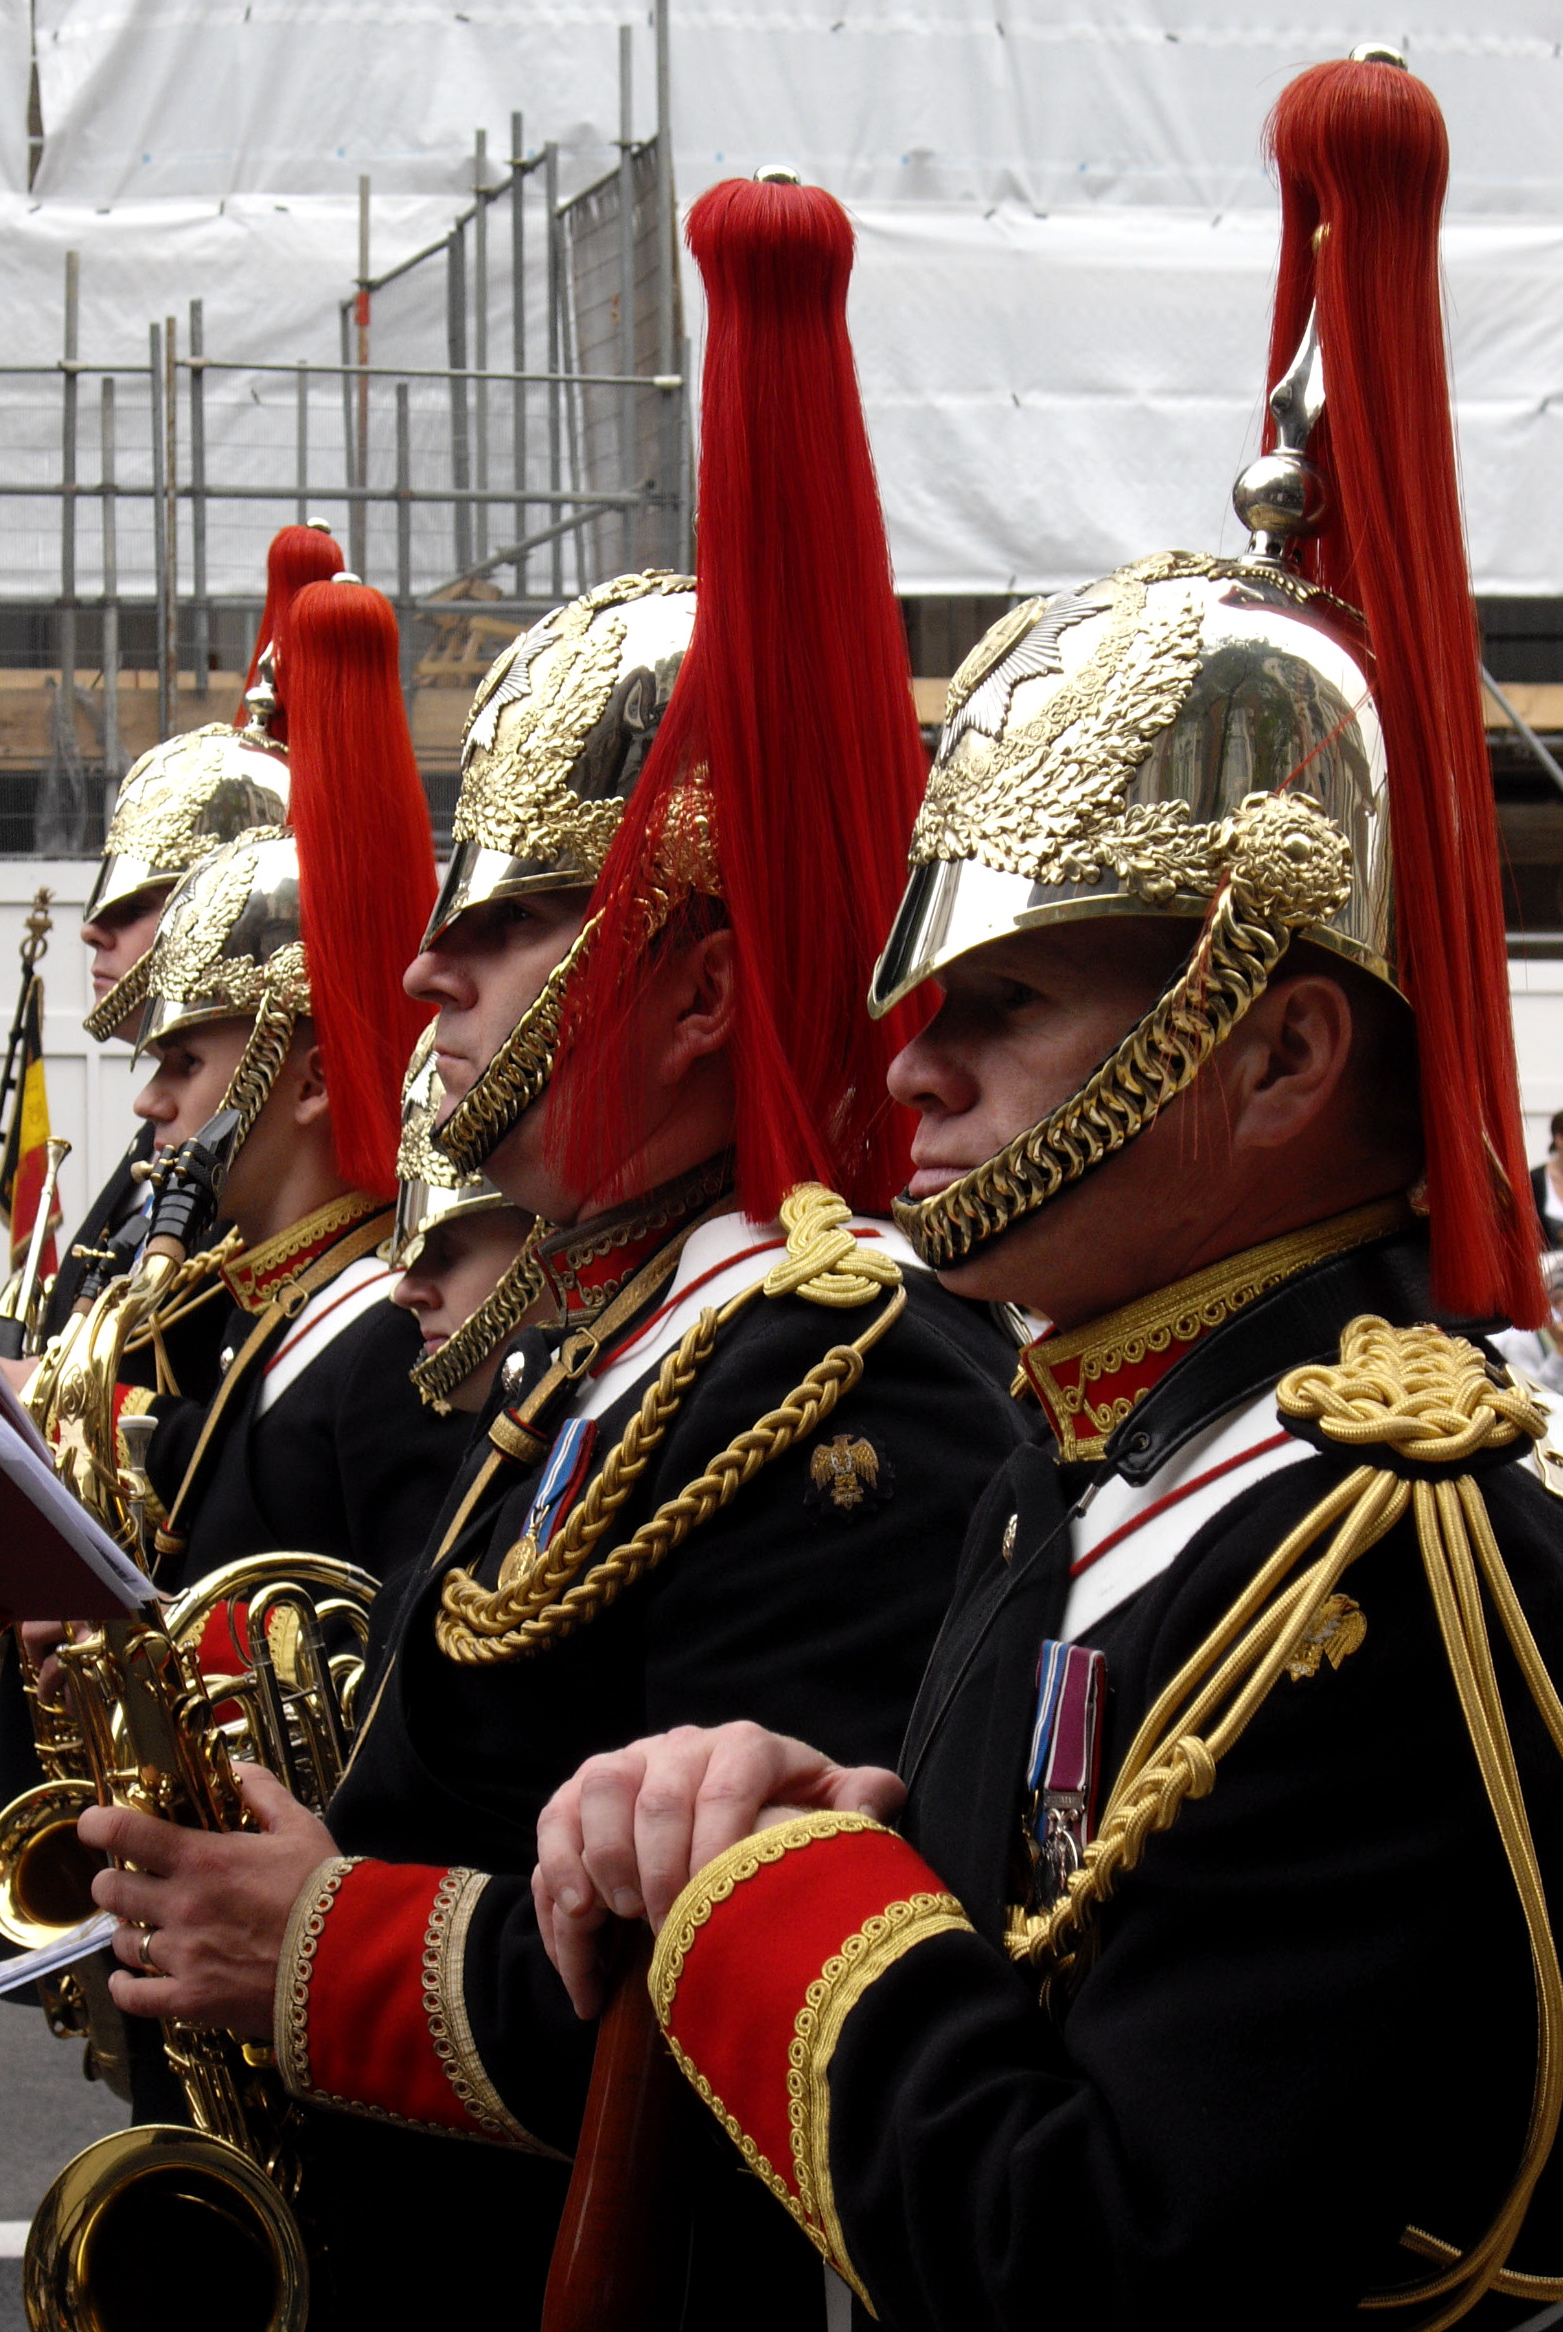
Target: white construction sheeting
x,y
978,101
1066,242
1046,396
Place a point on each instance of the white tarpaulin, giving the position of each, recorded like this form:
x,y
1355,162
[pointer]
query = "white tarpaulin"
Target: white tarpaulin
x,y
979,101
1046,396
1066,241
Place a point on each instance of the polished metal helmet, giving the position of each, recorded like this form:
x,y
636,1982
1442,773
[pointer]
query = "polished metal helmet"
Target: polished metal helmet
x,y
230,945
180,800
1191,737
558,734
431,1191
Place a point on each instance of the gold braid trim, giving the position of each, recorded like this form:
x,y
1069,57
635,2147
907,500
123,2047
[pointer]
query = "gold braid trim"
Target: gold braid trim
x,y
518,1074
124,997
495,1321
1428,1397
1286,869
284,999
542,1594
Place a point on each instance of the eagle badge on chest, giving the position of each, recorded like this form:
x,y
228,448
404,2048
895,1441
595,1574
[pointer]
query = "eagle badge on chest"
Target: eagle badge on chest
x,y
847,1476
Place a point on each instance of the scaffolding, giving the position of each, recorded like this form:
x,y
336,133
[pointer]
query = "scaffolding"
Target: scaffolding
x,y
550,449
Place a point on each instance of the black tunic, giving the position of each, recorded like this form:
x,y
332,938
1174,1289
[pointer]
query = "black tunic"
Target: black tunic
x,y
808,1616
1309,2020
347,1461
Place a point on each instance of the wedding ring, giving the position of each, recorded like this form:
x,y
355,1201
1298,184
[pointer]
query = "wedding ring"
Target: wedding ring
x,y
144,1952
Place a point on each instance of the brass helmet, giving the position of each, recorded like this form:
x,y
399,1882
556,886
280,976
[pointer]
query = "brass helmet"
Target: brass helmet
x,y
558,734
429,1191
230,945
1216,740
176,803
1191,737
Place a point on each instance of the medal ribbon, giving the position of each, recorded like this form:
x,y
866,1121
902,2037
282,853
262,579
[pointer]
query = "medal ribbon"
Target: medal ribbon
x,y
1065,1756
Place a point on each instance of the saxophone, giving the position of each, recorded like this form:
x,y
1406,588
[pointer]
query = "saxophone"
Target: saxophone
x,y
214,2201
147,1727
45,1872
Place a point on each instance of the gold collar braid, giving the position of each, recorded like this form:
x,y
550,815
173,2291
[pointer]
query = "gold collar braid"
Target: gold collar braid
x,y
1287,869
1429,1403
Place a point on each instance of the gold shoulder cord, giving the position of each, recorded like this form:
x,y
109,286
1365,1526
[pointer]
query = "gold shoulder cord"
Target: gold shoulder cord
x,y
1429,1397
199,1272
542,1594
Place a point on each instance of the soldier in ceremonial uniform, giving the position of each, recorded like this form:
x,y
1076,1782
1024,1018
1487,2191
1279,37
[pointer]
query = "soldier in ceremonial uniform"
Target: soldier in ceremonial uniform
x,y
180,800
468,1276
274,988
1210,1978
732,1471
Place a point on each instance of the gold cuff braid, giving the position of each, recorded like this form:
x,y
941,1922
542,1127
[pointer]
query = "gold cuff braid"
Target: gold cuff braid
x,y
1287,868
1429,1398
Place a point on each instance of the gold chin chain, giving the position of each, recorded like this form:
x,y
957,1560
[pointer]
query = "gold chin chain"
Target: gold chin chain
x,y
518,1074
127,995
1287,868
494,1322
1427,1404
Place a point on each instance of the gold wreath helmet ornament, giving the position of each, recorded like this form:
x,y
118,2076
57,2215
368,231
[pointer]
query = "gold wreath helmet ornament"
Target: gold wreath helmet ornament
x,y
556,739
1190,737
179,801
229,945
429,1189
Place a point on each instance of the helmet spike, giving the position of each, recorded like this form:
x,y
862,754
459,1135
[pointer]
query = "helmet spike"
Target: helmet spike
x,y
1362,155
366,861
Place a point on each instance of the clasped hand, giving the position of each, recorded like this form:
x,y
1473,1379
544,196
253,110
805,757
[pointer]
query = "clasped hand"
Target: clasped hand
x,y
205,1911
625,1834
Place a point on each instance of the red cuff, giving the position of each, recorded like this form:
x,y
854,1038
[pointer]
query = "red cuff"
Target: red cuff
x,y
370,2004
761,1961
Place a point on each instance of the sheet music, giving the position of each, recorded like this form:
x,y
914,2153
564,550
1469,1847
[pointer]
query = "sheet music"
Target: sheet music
x,y
32,1474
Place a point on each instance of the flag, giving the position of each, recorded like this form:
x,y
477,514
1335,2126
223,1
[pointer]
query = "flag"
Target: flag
x,y
25,1157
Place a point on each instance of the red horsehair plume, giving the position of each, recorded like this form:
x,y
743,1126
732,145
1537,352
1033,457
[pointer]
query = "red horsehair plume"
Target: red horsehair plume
x,y
366,862
1363,160
298,555
795,703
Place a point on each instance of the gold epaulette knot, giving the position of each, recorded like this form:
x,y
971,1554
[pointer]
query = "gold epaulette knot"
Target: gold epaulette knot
x,y
825,1263
1428,1396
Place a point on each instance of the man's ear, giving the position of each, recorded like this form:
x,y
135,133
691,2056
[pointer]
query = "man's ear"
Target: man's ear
x,y
1296,1045
311,1101
705,988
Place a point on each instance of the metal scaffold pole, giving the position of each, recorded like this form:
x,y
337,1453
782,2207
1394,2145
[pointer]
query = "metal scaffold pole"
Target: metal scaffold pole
x,y
627,415
358,519
171,512
112,766
672,402
518,335
165,717
68,435
480,337
555,305
456,352
201,610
